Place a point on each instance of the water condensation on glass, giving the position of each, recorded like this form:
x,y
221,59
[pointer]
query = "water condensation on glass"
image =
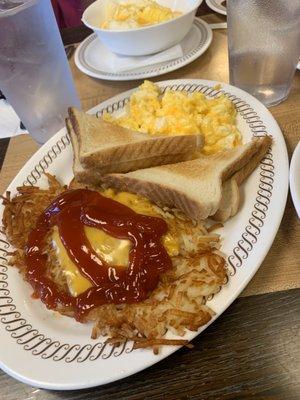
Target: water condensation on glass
x,y
264,46
34,72
13,6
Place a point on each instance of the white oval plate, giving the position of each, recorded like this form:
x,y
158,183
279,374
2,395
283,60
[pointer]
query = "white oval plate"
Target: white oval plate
x,y
216,5
94,59
47,350
295,178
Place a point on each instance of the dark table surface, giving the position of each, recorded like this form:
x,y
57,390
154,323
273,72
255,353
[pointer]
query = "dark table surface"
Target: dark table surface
x,y
251,352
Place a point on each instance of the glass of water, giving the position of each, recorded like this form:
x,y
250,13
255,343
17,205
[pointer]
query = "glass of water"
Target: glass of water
x,y
264,46
34,72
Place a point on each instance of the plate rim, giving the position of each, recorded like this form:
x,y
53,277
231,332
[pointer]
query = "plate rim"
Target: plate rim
x,y
295,161
215,8
102,105
129,76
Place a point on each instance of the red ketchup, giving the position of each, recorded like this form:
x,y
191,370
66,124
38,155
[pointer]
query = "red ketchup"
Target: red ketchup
x,y
70,212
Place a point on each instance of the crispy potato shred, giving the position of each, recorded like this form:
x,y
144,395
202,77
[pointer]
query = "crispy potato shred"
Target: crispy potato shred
x,y
176,305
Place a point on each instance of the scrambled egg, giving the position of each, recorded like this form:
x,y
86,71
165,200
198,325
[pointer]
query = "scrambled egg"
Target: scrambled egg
x,y
128,14
113,251
177,113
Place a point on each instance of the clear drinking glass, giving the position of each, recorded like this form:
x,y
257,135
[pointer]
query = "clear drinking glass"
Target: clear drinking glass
x,y
264,46
34,72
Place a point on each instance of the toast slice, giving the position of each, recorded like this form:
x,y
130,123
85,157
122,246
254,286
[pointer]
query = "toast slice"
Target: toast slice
x,y
229,204
196,187
82,175
105,147
230,201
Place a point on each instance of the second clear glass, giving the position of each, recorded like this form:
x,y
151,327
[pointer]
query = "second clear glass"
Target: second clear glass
x,y
264,46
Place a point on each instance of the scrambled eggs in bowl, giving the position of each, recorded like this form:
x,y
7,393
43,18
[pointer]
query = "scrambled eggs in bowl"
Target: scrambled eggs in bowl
x,y
129,14
179,112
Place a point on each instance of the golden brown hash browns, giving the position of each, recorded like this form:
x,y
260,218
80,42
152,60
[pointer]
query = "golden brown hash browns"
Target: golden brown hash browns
x,y
178,302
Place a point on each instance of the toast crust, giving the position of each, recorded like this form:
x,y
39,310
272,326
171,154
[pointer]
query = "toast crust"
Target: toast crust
x,y
230,201
87,176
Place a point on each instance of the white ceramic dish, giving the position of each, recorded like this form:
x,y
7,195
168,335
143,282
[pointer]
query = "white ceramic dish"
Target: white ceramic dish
x,y
216,5
147,40
295,178
47,350
94,59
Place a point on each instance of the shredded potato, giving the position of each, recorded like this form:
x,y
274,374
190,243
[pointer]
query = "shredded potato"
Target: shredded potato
x,y
176,305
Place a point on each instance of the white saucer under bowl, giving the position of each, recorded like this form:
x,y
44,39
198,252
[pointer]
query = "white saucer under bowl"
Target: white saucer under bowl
x,y
217,5
94,59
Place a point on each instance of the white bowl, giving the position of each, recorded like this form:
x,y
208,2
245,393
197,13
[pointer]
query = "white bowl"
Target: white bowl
x,y
146,40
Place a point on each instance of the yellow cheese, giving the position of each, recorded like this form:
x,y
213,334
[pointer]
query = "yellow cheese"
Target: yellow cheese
x,y
76,282
113,251
141,205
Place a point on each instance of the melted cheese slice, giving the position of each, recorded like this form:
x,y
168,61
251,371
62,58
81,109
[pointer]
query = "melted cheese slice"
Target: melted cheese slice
x,y
113,251
141,205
